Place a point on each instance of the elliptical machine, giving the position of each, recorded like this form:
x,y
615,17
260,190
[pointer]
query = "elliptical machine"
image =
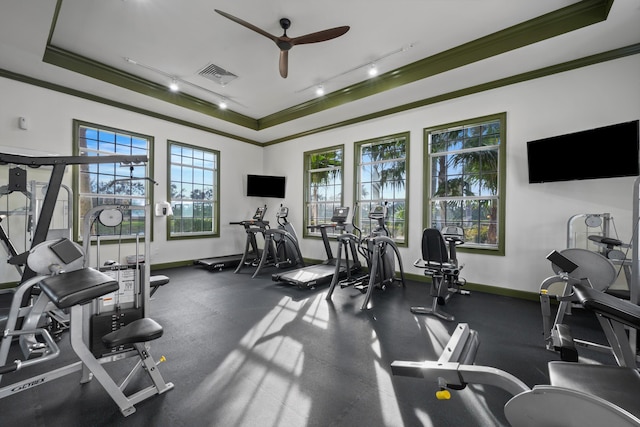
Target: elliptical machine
x,y
280,244
440,262
375,249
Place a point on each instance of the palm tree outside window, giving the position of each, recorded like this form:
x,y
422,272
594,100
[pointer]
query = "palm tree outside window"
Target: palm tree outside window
x,y
323,185
382,166
464,170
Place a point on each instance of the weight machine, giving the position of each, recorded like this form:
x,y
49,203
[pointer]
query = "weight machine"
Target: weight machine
x,y
99,334
578,394
33,192
575,267
595,254
598,233
18,182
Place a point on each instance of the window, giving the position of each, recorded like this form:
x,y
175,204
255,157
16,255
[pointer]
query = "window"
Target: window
x,y
465,185
382,178
112,183
323,185
193,188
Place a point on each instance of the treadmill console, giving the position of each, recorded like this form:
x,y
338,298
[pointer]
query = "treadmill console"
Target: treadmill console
x,y
259,215
340,214
378,212
453,233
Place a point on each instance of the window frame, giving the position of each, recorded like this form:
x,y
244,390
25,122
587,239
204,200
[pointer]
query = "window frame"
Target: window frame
x,y
148,196
357,181
307,187
498,249
215,211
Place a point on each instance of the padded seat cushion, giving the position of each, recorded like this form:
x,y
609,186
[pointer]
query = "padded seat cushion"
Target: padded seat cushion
x,y
608,305
141,330
618,385
158,280
77,287
606,240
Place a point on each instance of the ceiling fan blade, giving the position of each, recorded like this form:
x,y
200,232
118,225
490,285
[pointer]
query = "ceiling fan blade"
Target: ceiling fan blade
x,y
248,25
284,63
320,36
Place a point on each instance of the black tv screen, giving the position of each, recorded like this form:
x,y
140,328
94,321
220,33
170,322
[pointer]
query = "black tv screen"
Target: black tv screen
x,y
606,152
265,186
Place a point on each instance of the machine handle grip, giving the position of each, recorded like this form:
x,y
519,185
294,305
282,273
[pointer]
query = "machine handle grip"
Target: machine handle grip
x,y
11,367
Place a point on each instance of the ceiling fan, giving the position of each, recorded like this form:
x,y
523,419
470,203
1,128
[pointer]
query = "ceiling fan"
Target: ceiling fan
x,y
285,42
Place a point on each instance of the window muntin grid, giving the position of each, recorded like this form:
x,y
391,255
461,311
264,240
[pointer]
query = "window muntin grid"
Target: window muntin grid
x,y
193,189
113,183
464,180
323,174
382,178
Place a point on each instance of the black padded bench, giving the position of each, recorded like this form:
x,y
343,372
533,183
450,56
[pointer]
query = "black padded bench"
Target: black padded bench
x,y
608,305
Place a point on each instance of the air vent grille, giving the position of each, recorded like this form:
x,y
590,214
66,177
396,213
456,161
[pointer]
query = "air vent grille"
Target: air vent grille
x,y
217,74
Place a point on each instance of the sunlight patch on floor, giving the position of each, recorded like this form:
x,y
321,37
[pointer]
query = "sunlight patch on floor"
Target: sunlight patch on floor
x,y
318,313
259,380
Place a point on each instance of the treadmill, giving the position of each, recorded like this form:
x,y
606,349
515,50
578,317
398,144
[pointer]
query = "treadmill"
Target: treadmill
x,y
227,261
319,274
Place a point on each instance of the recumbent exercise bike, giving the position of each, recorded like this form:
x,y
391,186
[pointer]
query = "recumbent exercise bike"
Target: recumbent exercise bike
x,y
440,262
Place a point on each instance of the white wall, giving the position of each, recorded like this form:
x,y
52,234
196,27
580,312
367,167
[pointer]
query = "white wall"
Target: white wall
x,y
536,214
49,116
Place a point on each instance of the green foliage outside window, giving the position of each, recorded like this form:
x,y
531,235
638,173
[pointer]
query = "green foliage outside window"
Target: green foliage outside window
x,y
382,178
464,164
323,184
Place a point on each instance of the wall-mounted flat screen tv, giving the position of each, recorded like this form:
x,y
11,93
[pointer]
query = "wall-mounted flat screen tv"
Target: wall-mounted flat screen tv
x,y
265,186
606,152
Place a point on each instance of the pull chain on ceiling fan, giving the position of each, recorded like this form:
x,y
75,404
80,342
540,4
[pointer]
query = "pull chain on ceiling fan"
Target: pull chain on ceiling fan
x,y
284,42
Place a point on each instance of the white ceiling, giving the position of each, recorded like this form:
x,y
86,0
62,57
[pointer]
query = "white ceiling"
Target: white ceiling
x,y
179,38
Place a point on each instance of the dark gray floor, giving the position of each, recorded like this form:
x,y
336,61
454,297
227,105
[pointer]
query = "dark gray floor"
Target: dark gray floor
x,y
251,352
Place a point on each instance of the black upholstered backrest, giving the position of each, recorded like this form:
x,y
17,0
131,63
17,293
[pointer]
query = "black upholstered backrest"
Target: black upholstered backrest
x,y
608,306
434,248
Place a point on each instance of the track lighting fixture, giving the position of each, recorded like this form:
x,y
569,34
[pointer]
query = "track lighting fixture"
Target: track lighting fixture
x,y
372,70
174,85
